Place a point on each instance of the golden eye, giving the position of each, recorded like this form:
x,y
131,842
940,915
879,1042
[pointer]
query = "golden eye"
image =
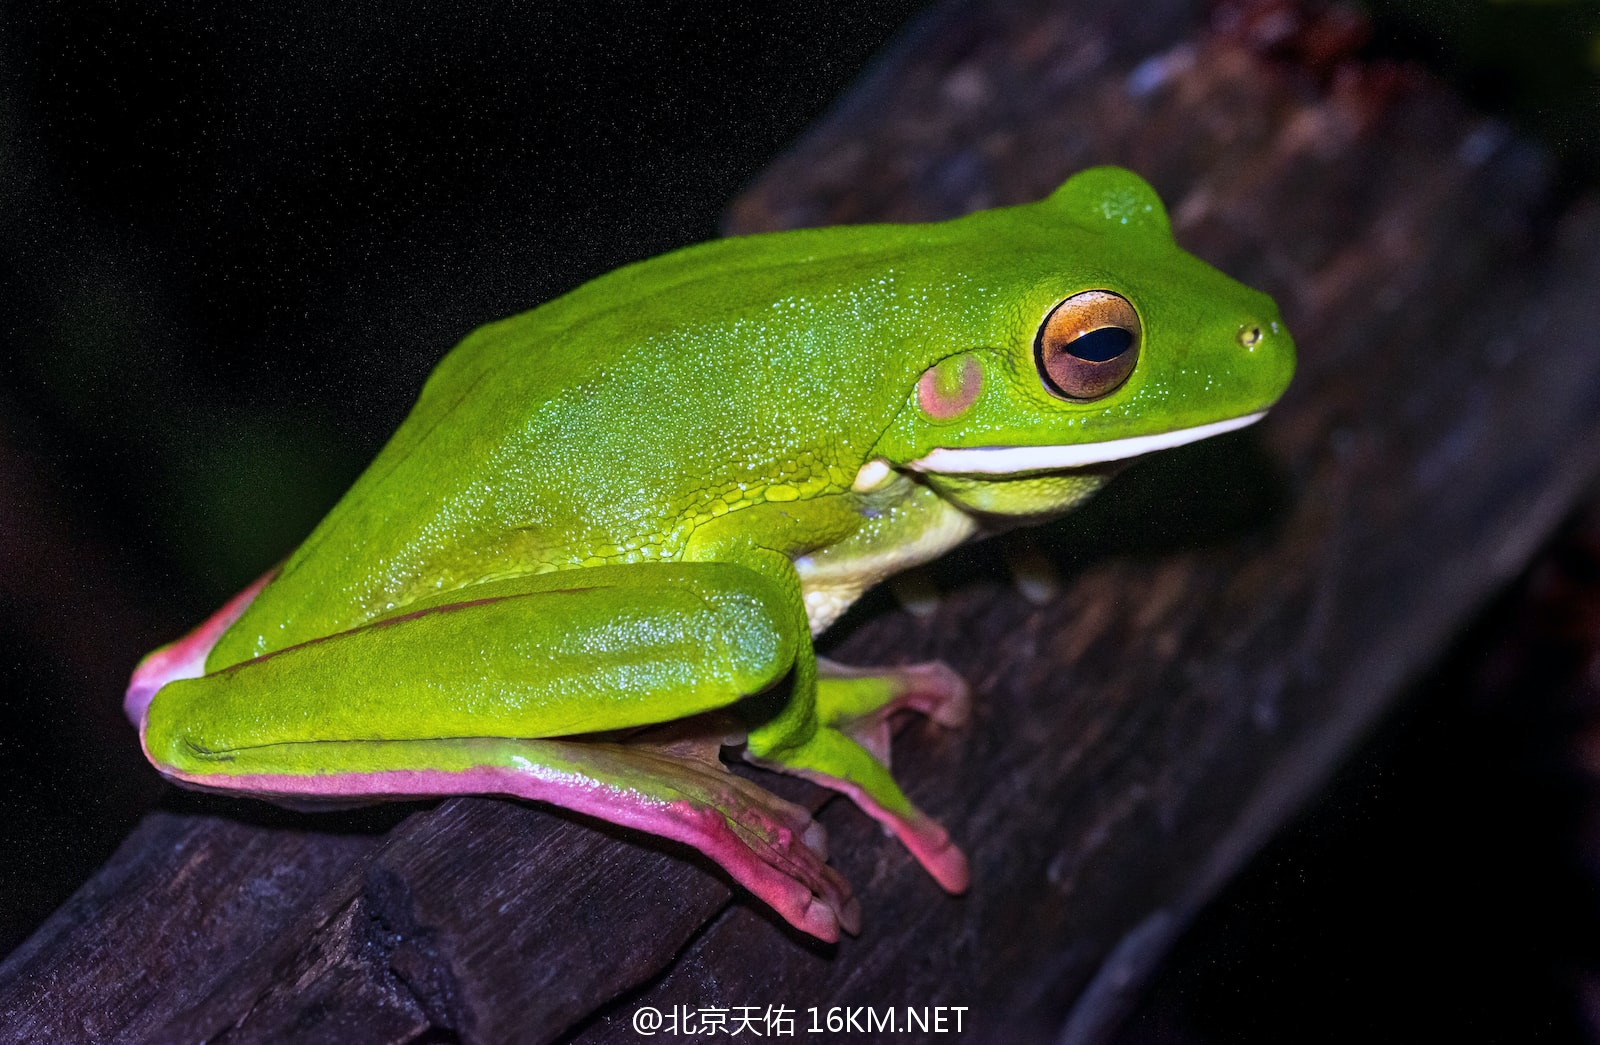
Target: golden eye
x,y
1087,345
1249,336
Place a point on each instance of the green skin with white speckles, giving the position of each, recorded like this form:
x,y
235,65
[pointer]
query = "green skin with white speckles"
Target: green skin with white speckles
x,y
635,504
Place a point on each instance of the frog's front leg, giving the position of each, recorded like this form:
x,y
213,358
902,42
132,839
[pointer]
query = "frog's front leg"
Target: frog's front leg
x,y
832,730
863,701
848,749
535,687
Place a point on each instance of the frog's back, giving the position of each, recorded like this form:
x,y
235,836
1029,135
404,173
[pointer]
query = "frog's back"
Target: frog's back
x,y
599,426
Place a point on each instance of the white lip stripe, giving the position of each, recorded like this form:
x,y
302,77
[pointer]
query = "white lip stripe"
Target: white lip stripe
x,y
1001,460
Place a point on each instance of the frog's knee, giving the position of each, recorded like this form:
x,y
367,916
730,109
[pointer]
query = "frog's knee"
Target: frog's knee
x,y
749,622
164,735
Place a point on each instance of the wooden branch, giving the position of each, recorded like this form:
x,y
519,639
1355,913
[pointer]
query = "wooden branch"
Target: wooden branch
x,y
1226,621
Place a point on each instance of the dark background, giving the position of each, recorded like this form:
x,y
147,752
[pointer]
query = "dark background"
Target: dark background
x,y
234,241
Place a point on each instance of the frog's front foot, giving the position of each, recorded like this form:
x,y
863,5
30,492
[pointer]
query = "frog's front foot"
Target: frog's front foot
x,y
862,702
849,752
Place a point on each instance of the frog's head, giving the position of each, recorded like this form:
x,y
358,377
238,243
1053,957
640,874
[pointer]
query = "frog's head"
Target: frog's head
x,y
1093,339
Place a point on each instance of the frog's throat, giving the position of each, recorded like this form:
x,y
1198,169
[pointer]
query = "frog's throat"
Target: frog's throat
x,y
1004,460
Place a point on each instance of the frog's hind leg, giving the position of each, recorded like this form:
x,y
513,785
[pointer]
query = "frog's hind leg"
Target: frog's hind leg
x,y
547,687
849,750
682,792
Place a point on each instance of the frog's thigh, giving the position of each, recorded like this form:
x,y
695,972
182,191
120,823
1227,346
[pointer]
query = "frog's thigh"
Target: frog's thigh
x,y
546,656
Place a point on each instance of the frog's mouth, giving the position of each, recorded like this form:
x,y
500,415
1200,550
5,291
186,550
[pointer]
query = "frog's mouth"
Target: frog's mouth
x,y
1006,460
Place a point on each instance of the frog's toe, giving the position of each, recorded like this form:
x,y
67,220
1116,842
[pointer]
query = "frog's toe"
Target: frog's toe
x,y
816,839
861,702
818,919
780,868
930,843
770,846
922,835
850,916
935,689
823,920
846,694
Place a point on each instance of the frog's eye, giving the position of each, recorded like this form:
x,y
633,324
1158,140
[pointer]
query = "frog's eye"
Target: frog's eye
x,y
1087,345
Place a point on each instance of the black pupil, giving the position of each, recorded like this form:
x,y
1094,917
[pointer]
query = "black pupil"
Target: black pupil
x,y
1097,346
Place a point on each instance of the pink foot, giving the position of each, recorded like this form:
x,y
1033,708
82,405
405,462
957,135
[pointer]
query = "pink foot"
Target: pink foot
x,y
924,836
932,688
